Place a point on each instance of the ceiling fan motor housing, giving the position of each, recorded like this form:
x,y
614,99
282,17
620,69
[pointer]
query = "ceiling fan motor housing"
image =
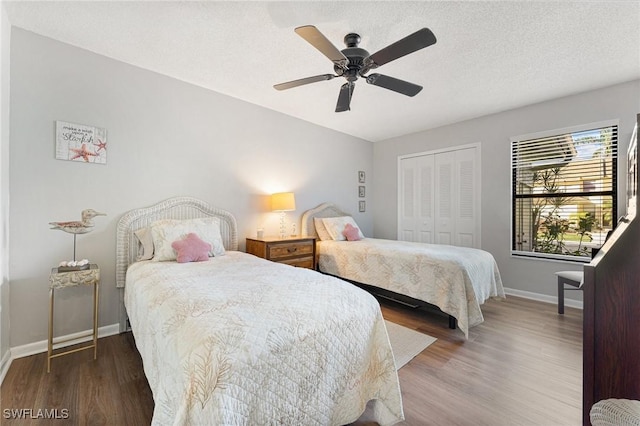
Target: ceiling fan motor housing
x,y
355,55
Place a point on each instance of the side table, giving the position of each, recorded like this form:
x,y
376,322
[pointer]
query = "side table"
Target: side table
x,y
295,251
62,279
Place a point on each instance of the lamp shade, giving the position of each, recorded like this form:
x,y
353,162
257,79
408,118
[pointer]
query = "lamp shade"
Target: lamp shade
x,y
283,201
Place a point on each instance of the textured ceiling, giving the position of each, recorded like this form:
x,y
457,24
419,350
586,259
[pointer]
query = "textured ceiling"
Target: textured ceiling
x,y
490,56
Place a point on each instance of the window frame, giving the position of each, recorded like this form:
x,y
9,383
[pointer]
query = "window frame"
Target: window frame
x,y
514,196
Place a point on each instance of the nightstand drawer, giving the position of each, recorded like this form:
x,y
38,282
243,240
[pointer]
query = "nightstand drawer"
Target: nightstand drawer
x,y
301,262
277,251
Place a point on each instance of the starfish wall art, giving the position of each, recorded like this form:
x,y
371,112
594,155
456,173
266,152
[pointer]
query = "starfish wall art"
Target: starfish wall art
x,y
77,142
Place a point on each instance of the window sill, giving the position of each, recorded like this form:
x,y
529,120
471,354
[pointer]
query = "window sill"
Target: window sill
x,y
550,257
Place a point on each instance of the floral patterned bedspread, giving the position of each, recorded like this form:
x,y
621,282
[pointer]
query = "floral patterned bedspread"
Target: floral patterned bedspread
x,y
455,279
238,340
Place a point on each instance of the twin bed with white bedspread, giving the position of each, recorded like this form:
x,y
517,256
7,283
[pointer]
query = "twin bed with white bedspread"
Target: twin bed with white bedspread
x,y
455,279
239,340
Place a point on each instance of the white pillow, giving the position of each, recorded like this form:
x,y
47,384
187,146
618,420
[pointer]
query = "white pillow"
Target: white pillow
x,y
335,226
145,243
165,232
321,230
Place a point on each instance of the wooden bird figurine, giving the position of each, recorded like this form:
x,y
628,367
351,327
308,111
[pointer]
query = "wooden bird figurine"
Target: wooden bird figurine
x,y
78,226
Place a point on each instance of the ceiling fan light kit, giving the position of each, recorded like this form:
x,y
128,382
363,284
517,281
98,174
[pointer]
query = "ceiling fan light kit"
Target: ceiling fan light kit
x,y
353,62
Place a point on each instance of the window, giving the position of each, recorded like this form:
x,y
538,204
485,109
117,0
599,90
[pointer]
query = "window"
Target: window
x,y
564,187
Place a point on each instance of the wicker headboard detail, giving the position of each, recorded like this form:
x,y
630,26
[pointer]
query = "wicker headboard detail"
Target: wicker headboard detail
x,y
307,228
173,208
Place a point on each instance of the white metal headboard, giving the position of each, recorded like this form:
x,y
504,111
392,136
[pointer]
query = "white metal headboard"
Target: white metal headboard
x,y
307,227
173,208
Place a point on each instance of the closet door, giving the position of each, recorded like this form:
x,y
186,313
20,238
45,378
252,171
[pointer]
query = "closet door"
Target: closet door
x,y
439,197
444,198
425,202
416,199
407,197
467,203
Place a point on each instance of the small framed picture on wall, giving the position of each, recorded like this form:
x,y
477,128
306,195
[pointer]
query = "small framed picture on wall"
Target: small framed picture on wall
x,y
362,206
361,191
360,177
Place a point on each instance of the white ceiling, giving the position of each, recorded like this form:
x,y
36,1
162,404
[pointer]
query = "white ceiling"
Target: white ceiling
x,y
490,56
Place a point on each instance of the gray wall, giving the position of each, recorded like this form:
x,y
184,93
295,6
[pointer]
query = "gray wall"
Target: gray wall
x,y
165,138
5,34
169,138
493,132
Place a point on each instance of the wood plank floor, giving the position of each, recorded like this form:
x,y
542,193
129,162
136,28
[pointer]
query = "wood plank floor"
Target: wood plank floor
x,y
522,366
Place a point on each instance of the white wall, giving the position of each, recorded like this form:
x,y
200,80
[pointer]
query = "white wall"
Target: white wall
x,y
493,132
5,37
165,138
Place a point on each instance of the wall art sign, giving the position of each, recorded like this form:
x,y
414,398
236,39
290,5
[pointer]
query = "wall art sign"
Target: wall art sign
x,y
77,142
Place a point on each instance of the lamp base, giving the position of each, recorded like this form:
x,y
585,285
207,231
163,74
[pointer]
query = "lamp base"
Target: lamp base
x,y
282,226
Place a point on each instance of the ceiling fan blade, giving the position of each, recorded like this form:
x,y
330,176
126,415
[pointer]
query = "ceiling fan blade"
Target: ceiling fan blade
x,y
416,41
314,37
303,81
344,98
394,84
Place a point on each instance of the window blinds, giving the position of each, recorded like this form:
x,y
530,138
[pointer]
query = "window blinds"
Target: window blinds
x,y
564,190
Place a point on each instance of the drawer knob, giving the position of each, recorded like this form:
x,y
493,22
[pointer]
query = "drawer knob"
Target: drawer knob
x,y
292,249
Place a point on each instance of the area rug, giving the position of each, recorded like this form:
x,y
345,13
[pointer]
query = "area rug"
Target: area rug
x,y
406,343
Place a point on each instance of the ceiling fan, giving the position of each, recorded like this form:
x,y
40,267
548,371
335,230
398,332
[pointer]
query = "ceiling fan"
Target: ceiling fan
x,y
354,62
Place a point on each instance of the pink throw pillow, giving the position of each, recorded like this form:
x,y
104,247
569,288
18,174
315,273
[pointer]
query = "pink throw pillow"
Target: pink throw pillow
x,y
351,233
191,249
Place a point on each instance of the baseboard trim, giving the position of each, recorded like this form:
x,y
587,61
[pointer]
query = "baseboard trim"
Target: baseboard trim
x,y
5,363
41,346
571,303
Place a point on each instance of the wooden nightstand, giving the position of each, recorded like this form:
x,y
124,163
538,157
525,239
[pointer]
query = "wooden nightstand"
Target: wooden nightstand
x,y
296,251
59,280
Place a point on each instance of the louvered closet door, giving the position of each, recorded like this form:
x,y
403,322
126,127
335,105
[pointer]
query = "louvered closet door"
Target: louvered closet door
x,y
425,199
444,198
439,199
466,211
407,216
416,199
